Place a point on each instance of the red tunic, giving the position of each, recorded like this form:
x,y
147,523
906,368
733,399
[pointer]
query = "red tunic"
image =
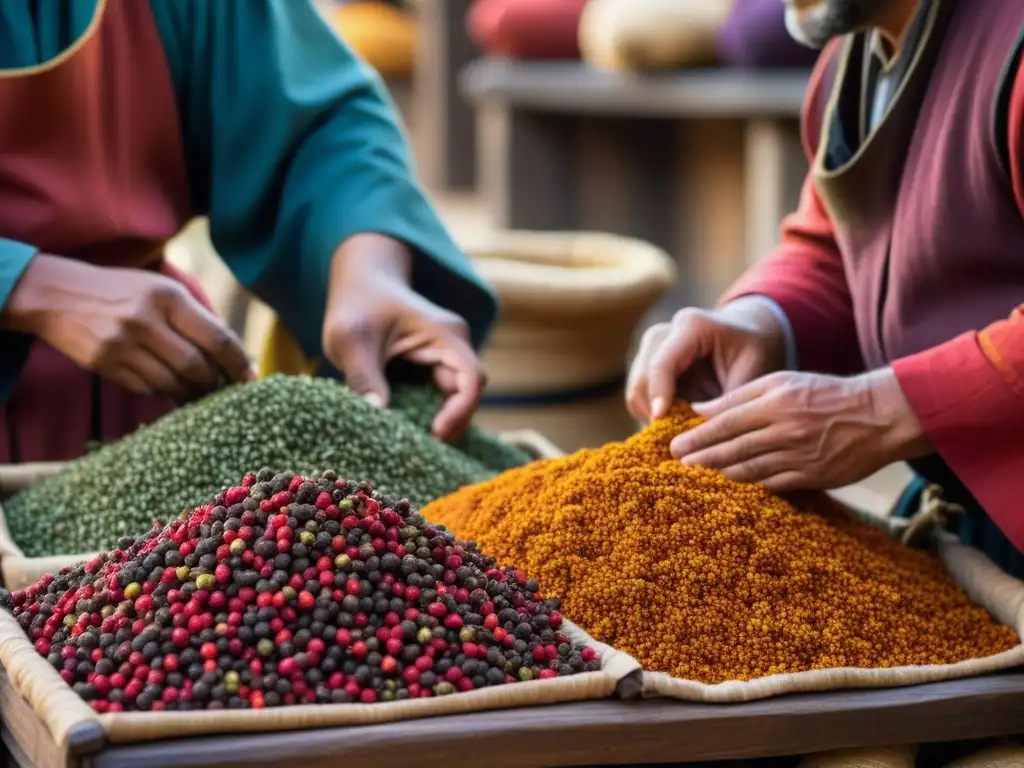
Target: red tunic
x,y
92,168
912,254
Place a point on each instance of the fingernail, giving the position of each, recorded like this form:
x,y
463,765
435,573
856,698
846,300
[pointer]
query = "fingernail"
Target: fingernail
x,y
374,399
658,407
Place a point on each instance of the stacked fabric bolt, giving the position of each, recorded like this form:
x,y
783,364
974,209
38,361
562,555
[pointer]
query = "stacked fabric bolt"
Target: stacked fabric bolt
x,y
296,423
712,580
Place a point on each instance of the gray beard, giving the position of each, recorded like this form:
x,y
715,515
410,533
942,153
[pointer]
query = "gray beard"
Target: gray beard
x,y
829,19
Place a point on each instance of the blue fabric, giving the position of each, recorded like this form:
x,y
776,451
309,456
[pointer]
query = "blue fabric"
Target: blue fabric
x,y
292,147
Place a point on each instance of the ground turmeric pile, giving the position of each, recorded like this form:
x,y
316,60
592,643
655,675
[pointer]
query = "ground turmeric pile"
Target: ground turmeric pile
x,y
712,580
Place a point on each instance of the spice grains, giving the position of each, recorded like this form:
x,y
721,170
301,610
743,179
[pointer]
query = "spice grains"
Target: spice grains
x,y
294,423
711,580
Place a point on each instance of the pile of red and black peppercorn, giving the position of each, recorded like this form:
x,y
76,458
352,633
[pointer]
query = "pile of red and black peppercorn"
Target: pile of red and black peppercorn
x,y
288,590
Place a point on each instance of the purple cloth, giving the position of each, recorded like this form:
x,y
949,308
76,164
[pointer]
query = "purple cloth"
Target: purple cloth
x,y
755,37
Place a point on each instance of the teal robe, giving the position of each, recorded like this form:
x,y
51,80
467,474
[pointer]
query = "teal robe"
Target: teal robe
x,y
291,146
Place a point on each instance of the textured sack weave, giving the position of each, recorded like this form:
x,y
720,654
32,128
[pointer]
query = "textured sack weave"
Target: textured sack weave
x,y
60,709
16,570
984,582
869,757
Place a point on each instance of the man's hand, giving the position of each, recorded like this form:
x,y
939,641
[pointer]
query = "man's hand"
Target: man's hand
x,y
139,328
701,354
374,316
802,431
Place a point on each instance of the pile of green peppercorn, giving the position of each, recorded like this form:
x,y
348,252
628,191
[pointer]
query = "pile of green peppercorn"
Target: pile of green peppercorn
x,y
287,590
298,423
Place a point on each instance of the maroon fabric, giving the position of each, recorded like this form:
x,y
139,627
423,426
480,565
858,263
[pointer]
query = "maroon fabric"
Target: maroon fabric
x,y
92,168
937,253
527,29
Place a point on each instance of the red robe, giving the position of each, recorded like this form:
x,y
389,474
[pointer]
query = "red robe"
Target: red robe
x,y
967,385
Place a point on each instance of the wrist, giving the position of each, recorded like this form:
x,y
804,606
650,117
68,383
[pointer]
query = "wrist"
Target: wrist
x,y
903,438
31,301
369,254
758,316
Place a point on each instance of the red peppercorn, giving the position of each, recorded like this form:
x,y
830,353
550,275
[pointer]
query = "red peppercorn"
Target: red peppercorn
x,y
208,651
588,654
343,637
306,600
359,649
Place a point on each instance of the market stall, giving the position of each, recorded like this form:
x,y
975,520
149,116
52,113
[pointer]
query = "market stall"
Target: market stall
x,y
599,709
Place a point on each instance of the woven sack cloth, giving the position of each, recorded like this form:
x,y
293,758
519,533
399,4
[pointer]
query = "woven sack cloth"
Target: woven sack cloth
x,y
985,583
868,757
63,712
18,571
632,36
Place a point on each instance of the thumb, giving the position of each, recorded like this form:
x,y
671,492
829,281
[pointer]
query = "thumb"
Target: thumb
x,y
743,370
359,353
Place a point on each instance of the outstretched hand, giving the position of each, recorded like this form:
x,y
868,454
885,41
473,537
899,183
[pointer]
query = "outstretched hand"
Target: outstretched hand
x,y
803,431
374,316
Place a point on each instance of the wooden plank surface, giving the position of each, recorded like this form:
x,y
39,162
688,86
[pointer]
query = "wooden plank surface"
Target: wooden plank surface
x,y
620,733
572,87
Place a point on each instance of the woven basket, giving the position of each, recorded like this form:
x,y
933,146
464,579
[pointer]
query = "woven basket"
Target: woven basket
x,y
571,303
18,571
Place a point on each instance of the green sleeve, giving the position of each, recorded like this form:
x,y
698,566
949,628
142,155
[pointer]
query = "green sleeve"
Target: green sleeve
x,y
14,347
293,146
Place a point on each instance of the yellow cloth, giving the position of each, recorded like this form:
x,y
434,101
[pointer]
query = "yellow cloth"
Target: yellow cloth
x,y
382,35
282,354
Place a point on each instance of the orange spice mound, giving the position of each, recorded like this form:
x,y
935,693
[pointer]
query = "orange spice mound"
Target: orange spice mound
x,y
712,580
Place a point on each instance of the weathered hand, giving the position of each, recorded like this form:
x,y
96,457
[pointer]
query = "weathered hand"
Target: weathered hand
x,y
373,316
703,353
139,328
802,431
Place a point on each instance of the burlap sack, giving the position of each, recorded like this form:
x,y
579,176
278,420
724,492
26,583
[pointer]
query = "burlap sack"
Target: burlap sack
x,y
631,36
60,710
985,583
868,757
18,571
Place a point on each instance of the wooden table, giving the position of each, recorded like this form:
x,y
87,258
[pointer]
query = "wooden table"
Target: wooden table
x,y
703,163
596,733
